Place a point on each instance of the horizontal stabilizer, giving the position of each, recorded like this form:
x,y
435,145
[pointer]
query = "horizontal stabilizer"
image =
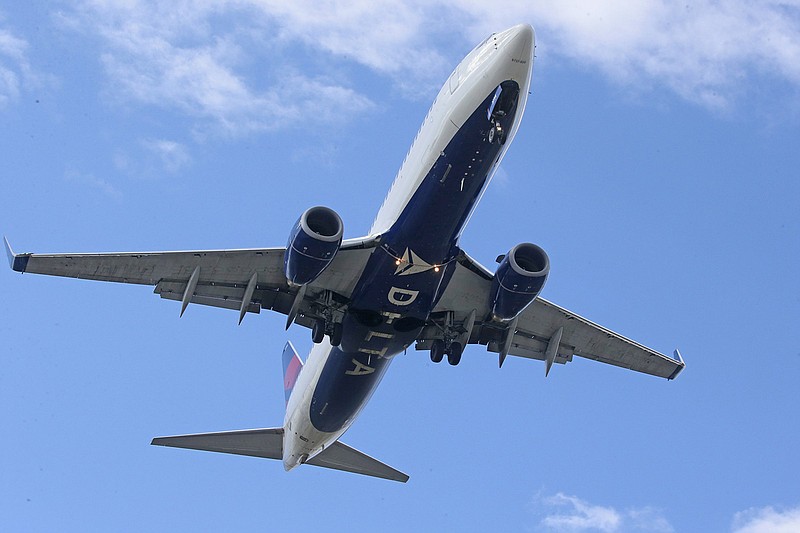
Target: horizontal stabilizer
x,y
340,456
268,443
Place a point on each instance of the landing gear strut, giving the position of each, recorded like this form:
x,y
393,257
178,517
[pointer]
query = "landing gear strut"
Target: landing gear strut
x,y
453,337
326,323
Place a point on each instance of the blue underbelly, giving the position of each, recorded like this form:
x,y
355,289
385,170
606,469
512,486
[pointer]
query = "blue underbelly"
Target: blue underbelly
x,y
405,276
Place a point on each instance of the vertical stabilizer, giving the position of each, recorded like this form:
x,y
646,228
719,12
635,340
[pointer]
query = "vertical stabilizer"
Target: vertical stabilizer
x,y
291,368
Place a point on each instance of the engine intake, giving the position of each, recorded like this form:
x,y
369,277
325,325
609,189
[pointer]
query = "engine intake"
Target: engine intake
x,y
312,245
518,281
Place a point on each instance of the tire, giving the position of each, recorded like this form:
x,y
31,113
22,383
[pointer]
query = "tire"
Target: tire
x,y
454,355
437,351
490,135
336,335
318,331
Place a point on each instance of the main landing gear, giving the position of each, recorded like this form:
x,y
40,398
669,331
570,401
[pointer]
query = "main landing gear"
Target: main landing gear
x,y
322,327
453,352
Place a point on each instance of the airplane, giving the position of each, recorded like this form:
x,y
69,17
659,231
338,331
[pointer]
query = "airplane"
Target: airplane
x,y
406,283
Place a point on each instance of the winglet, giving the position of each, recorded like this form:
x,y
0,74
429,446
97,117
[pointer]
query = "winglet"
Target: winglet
x,y
679,359
17,262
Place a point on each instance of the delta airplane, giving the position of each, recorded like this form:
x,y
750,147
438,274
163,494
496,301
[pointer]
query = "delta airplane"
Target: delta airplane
x,y
406,283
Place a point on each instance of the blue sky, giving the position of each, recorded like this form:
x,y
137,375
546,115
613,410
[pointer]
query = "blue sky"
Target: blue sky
x,y
657,164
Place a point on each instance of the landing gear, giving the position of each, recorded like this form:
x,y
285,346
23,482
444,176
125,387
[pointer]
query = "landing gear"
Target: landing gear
x,y
496,134
437,351
336,334
318,331
454,353
454,337
328,321
322,327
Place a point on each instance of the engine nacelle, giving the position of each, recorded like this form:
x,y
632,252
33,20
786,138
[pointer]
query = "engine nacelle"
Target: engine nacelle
x,y
518,281
312,245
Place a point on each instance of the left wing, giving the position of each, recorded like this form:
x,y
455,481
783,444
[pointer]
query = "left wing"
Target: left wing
x,y
243,280
542,331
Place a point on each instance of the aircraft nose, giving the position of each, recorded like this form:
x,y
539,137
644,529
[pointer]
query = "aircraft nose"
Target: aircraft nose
x,y
519,41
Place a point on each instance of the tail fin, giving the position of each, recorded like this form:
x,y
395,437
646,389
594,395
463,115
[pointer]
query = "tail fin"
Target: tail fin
x,y
292,364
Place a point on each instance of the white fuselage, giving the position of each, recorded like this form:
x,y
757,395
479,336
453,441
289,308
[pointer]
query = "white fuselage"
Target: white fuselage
x,y
503,56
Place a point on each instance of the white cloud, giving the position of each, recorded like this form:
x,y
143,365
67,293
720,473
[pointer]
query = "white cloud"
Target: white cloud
x,y
572,514
152,158
73,175
767,520
225,62
13,65
173,155
707,52
181,56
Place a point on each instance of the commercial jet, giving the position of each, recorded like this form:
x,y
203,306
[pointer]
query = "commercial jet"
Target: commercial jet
x,y
406,283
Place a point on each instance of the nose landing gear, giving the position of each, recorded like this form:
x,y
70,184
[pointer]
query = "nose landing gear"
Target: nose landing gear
x,y
496,132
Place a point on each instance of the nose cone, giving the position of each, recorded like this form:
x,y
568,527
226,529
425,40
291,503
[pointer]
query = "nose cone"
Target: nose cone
x,y
518,41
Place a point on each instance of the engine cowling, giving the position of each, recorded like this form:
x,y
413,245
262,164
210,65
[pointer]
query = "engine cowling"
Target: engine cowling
x,y
312,245
518,281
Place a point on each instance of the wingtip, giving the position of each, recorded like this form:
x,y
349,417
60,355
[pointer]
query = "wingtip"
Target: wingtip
x,y
17,262
676,355
9,252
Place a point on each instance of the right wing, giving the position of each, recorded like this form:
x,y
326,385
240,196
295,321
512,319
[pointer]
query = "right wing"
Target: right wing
x,y
245,280
538,325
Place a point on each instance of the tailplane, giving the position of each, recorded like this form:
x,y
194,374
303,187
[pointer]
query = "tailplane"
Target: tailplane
x,y
292,364
268,443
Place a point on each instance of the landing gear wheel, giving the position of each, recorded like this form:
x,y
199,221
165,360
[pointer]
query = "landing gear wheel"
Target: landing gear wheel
x,y
437,351
318,331
490,136
454,354
336,334
501,136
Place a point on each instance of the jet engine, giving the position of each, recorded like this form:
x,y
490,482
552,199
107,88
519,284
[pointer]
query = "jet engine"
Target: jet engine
x,y
518,281
312,245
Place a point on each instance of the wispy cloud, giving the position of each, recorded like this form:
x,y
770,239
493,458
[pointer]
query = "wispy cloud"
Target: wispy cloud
x,y
73,175
767,520
173,155
707,52
152,158
225,63
13,66
184,56
562,512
